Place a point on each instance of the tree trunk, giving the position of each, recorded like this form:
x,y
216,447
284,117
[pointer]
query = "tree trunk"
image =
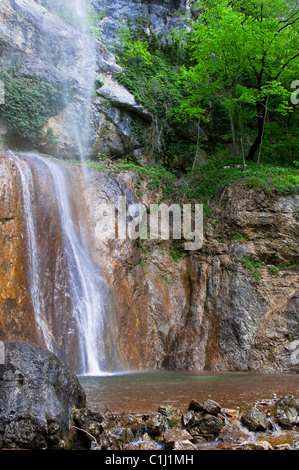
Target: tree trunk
x,y
263,134
261,110
232,126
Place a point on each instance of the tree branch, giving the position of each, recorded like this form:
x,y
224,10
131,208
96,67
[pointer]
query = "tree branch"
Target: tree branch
x,y
286,64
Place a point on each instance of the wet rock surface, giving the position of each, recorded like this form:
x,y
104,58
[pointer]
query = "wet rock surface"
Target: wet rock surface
x,y
45,38
287,412
37,396
206,310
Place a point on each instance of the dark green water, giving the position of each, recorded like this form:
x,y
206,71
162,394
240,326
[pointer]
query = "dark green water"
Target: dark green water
x,y
143,392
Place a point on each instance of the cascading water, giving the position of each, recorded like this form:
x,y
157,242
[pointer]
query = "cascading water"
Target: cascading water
x,y
81,123
74,312
78,90
85,285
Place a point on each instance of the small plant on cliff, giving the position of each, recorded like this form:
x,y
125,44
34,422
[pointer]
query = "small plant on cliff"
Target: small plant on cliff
x,y
252,266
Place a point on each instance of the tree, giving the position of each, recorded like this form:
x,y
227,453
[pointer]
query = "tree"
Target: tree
x,y
245,51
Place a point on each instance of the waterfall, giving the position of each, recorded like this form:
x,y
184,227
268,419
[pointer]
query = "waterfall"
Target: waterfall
x,y
76,307
27,187
80,123
66,287
85,282
76,133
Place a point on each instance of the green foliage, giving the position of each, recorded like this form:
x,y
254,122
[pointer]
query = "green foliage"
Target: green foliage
x,y
156,176
175,253
246,53
238,236
208,182
29,103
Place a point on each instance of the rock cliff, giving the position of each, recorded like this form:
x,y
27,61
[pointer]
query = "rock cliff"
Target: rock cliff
x,y
232,305
41,38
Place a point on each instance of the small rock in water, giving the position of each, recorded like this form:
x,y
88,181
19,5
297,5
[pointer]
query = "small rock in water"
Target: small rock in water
x,y
208,424
287,412
211,407
156,424
254,418
88,420
260,445
187,418
95,446
172,414
195,405
174,436
184,445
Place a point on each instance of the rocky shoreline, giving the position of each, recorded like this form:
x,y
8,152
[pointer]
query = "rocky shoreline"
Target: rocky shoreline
x,y
271,424
43,406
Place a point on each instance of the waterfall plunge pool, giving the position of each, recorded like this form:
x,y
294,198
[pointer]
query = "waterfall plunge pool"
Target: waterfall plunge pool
x,y
145,391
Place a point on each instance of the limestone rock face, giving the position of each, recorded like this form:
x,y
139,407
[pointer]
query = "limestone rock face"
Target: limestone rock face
x,y
37,396
43,38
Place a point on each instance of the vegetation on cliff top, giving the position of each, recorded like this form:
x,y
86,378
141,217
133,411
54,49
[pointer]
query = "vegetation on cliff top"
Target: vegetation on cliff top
x,y
206,182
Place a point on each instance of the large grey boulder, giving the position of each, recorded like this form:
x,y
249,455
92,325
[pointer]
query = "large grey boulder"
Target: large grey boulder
x,y
37,396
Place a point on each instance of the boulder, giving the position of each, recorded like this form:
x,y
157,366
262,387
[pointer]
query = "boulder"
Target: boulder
x,y
211,407
208,424
156,424
174,436
287,412
172,414
254,418
37,396
195,405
